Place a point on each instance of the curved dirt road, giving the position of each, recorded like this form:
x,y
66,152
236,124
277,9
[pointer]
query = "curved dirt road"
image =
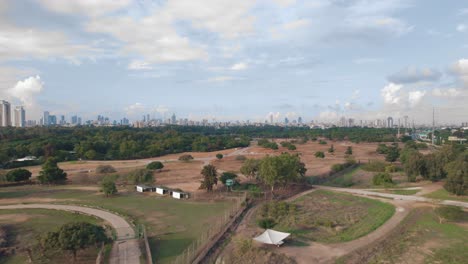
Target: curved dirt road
x,y
125,249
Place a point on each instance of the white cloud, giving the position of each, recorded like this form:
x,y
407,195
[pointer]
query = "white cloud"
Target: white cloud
x,y
414,75
26,90
461,28
134,109
139,65
285,3
461,69
450,92
328,115
239,66
415,97
390,93
161,109
296,24
85,7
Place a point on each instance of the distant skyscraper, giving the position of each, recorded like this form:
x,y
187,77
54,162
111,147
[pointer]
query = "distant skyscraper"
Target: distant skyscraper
x,y
299,120
390,122
46,118
173,119
271,118
62,120
52,120
286,120
5,113
20,116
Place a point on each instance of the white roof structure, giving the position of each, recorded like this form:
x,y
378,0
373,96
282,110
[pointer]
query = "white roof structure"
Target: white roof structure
x,y
272,237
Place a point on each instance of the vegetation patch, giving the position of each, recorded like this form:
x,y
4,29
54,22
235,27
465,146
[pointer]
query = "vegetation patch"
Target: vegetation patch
x,y
327,217
443,194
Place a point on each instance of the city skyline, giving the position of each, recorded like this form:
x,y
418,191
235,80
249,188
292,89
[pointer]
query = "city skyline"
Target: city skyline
x,y
238,60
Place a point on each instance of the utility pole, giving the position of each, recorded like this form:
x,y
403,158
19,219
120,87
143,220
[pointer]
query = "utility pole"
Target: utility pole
x,y
433,125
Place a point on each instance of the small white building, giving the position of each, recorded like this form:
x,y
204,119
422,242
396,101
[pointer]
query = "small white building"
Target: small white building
x,y
145,188
179,195
162,190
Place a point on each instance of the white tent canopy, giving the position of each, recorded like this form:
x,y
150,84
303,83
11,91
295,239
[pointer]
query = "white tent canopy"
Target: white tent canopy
x,y
272,237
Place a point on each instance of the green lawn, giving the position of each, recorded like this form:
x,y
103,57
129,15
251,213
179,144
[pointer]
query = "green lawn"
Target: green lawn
x,y
442,194
331,217
420,236
171,224
26,225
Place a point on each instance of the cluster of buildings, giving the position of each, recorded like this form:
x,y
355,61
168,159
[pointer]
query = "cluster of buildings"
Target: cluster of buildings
x,y
19,115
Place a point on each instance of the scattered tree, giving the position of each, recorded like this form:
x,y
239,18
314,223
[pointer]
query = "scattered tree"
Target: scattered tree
x,y
155,165
382,178
322,142
331,149
457,175
108,187
141,176
51,173
74,237
219,156
392,154
210,177
250,168
320,154
186,157
349,151
104,169
18,175
280,170
266,223
414,166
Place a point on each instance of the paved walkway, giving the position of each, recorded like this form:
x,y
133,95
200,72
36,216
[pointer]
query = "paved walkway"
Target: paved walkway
x,y
125,250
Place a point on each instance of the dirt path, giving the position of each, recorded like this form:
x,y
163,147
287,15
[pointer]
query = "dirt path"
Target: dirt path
x,y
125,249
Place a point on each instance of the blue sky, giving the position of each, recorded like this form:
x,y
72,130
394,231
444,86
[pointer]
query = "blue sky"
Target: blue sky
x,y
243,59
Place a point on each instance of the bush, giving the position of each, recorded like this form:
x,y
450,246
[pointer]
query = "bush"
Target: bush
x,y
390,169
155,165
375,166
240,158
322,142
320,154
337,167
382,178
266,223
382,149
186,157
140,176
331,149
105,169
349,151
267,144
18,175
219,156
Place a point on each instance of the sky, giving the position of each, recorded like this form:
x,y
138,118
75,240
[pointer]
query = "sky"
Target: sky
x,y
237,60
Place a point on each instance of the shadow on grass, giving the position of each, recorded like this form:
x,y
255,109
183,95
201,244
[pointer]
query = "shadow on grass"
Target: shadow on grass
x,y
164,250
297,243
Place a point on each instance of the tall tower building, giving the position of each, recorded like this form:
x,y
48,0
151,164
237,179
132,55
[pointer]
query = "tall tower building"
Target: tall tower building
x,y
5,113
20,116
173,119
46,118
390,122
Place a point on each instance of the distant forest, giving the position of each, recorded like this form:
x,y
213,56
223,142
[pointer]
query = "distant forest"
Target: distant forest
x,y
110,143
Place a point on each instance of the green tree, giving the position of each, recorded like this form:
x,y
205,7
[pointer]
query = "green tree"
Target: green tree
x,y
141,176
414,166
74,237
210,177
18,175
457,175
155,165
250,168
320,154
382,178
331,149
280,170
51,173
108,187
349,151
105,169
219,156
392,154
434,167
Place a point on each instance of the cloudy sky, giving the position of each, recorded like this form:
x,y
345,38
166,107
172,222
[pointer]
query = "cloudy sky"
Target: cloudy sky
x,y
243,59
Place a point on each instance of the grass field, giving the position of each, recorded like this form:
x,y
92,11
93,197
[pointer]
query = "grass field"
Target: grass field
x,y
442,194
171,224
420,238
400,192
26,225
331,217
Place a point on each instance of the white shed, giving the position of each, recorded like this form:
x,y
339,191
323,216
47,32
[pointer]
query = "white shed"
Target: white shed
x,y
179,195
162,190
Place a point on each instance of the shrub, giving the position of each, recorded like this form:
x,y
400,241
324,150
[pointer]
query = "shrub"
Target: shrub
x,y
219,156
349,151
375,166
382,149
390,169
266,223
337,167
140,176
105,169
382,178
228,176
320,154
186,157
322,142
240,158
155,165
18,175
331,149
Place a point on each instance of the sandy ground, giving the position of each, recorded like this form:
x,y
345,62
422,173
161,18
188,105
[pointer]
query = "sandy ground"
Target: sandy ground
x,y
125,249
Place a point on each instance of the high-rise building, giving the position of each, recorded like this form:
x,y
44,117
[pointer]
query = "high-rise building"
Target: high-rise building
x,y
62,120
299,120
20,116
5,113
52,120
390,122
173,119
286,120
46,118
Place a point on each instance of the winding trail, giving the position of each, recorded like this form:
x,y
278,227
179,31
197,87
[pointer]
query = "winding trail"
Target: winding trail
x,y
125,249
